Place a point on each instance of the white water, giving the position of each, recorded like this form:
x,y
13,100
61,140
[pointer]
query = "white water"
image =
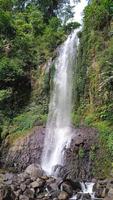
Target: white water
x,y
58,131
87,188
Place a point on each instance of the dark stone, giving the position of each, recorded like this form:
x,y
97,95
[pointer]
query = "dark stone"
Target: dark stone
x,y
42,195
65,186
18,193
86,197
7,194
75,185
29,193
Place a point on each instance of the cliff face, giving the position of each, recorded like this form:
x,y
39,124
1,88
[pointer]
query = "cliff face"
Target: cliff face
x,y
94,78
78,157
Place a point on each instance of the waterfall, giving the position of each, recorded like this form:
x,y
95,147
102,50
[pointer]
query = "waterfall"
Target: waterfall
x,y
87,188
58,128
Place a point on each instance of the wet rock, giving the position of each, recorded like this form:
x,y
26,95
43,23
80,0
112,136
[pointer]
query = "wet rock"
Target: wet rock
x,y
29,193
34,171
23,197
34,184
79,196
54,194
107,198
18,193
65,186
50,180
75,185
8,176
45,178
20,178
9,182
63,196
54,186
37,191
86,197
42,195
110,193
23,187
100,188
7,194
38,183
110,183
27,181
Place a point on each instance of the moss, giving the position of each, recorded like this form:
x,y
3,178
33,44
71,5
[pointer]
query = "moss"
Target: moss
x,y
81,152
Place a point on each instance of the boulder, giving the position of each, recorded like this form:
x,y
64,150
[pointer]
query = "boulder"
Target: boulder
x,y
110,193
18,193
23,187
38,183
65,186
107,198
101,188
34,170
29,193
63,196
23,197
75,185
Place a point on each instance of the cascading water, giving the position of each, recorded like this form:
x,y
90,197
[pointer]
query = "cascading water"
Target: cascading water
x,y
87,188
58,131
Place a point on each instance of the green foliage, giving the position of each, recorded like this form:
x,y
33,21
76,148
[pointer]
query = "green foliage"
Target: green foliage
x,y
29,33
90,119
76,119
28,119
10,69
94,80
71,26
93,152
52,37
5,93
97,14
81,152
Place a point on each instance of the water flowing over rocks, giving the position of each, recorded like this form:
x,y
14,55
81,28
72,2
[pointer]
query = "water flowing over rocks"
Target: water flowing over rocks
x,y
28,150
31,182
24,186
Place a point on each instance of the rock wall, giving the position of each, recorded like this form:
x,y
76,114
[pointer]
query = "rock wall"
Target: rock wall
x,y
28,150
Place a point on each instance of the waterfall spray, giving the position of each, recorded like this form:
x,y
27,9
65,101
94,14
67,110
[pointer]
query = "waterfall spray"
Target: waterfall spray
x,y
58,131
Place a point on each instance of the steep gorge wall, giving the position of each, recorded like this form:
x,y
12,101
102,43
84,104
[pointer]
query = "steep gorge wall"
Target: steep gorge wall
x,y
94,80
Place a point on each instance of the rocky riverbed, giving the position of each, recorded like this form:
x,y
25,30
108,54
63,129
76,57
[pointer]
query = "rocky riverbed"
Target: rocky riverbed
x,y
34,184
29,182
